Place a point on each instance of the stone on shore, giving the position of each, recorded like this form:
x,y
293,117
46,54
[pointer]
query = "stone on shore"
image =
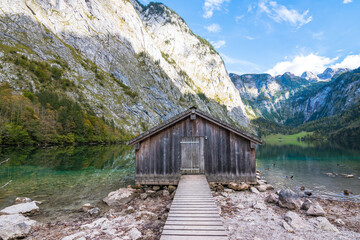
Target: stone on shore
x,y
323,224
238,187
272,198
15,226
22,200
315,210
287,227
289,199
261,188
86,207
156,188
134,234
27,208
120,197
294,220
145,215
259,205
306,204
94,211
254,190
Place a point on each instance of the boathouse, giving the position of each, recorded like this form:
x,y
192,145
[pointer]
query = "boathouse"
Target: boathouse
x,y
193,142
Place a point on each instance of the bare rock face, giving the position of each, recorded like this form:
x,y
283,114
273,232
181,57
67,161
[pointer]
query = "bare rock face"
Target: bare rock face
x,y
27,208
238,187
294,220
15,226
289,199
120,197
272,198
316,210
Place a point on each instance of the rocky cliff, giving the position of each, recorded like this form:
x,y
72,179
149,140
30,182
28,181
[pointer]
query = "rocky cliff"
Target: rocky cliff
x,y
134,64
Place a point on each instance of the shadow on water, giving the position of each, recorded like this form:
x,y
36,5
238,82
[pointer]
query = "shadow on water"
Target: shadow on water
x,y
321,168
64,178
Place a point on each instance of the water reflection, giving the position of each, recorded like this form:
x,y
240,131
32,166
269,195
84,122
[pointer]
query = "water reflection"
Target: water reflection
x,y
65,177
309,167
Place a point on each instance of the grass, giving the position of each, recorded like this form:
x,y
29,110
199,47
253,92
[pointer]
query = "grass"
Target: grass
x,y
281,139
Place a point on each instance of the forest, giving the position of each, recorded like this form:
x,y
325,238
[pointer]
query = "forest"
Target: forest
x,y
48,117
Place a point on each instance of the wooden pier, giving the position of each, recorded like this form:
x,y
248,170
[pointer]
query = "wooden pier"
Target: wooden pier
x,y
193,213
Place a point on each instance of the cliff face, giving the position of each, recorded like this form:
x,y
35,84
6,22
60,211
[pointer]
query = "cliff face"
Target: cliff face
x,y
134,64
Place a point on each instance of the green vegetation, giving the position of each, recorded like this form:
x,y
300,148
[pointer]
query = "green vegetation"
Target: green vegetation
x,y
298,139
127,90
206,43
167,58
48,117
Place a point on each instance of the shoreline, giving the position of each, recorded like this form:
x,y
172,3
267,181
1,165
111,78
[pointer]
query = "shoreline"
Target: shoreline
x,y
140,212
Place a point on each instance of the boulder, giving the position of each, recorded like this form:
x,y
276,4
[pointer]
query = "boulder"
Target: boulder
x,y
269,187
227,190
261,188
151,193
120,197
349,176
294,220
219,188
143,196
315,210
15,226
156,188
86,207
27,208
254,190
238,187
323,224
136,186
288,199
134,234
262,181
272,198
306,204
22,200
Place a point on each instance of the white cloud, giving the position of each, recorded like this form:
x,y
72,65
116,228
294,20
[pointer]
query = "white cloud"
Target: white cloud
x,y
249,38
218,44
300,64
215,28
351,61
347,1
211,5
239,65
280,13
238,18
318,35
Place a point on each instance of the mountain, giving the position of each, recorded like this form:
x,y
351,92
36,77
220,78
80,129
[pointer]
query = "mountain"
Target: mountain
x,y
331,72
131,64
309,76
264,94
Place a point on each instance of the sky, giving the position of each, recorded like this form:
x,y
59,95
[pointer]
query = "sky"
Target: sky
x,y
262,36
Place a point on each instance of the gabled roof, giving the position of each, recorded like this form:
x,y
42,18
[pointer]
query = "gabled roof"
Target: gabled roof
x,y
187,113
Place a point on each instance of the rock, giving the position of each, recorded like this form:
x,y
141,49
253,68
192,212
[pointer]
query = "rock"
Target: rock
x,y
94,211
347,192
219,188
260,182
145,215
21,208
261,188
171,188
86,207
130,210
22,200
166,193
227,190
315,210
156,188
349,176
254,190
240,206
287,227
168,207
120,197
323,224
134,234
238,187
306,204
76,236
136,186
330,174
269,187
339,222
259,205
15,226
294,220
150,193
143,196
289,199
272,198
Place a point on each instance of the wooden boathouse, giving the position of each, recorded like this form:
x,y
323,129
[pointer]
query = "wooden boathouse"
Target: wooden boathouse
x,y
193,142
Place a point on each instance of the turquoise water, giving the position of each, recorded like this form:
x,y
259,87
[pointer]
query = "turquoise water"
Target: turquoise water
x,y
64,178
309,165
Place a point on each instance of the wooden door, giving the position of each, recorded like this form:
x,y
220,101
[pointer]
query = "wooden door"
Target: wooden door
x,y
192,155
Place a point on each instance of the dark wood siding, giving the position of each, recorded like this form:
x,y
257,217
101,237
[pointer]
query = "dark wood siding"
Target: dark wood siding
x,y
227,156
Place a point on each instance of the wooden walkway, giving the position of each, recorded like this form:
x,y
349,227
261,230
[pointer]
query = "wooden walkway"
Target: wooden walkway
x,y
193,213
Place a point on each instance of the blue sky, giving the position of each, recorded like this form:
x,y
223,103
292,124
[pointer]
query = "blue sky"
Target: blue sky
x,y
256,36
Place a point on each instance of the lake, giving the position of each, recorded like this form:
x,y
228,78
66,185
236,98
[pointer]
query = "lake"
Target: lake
x,y
65,178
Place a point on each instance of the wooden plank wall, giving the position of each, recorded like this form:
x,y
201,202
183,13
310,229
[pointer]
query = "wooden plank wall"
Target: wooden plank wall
x,y
228,157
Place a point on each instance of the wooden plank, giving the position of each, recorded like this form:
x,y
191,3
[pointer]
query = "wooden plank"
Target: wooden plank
x,y
194,232
174,237
193,223
186,227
